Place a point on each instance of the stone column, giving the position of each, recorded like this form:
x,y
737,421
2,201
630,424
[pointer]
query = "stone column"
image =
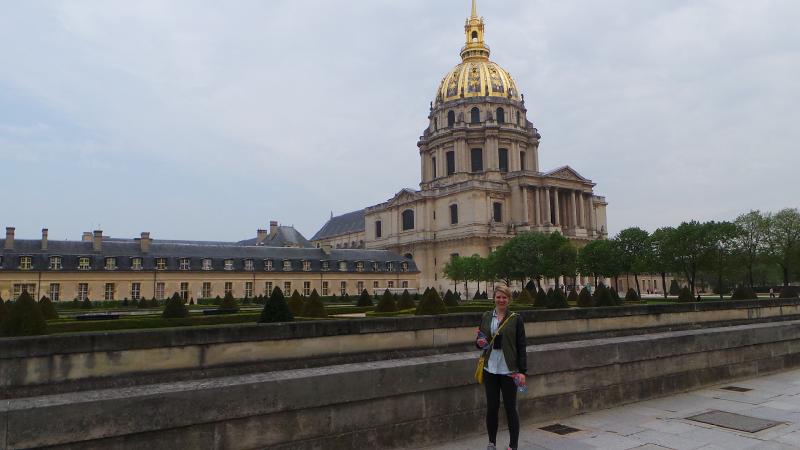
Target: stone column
x,y
548,213
592,217
557,208
574,210
581,210
525,213
537,207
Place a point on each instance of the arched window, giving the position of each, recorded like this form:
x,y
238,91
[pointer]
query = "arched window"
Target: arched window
x,y
475,115
408,256
474,36
408,220
501,115
451,119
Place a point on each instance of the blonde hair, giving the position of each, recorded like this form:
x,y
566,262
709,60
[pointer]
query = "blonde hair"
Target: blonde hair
x,y
502,288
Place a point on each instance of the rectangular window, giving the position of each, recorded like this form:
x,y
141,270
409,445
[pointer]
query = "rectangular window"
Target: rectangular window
x,y
404,284
111,264
268,287
451,162
161,263
404,267
83,291
343,288
207,264
360,286
287,265
390,267
342,266
376,267
390,284
248,289
25,263
248,265
521,160
497,215
326,265
185,291
306,288
306,266
287,288
359,267
55,292
136,263
433,166
267,265
55,263
109,292
20,288
502,156
228,264
375,284
378,230
83,263
185,264
136,291
228,288
324,288
476,159
160,288
453,214
206,291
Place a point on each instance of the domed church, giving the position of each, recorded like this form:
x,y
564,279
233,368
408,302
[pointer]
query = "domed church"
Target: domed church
x,y
481,181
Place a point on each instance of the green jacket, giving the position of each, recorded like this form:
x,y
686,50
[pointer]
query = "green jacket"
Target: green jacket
x,y
512,340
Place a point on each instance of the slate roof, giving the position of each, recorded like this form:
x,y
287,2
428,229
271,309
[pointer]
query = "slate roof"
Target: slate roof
x,y
352,222
284,236
173,251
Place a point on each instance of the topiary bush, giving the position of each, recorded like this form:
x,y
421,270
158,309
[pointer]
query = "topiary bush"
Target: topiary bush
x,y
615,297
386,304
314,306
229,302
431,304
572,297
364,299
525,298
48,310
296,304
632,296
788,292
603,297
685,295
541,299
276,309
674,288
450,299
125,303
585,299
3,309
86,303
556,299
174,308
744,293
24,318
406,302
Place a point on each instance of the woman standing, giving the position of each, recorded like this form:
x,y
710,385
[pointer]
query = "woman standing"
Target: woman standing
x,y
502,336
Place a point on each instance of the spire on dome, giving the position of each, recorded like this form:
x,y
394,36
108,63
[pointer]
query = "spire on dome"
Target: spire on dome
x,y
475,48
474,9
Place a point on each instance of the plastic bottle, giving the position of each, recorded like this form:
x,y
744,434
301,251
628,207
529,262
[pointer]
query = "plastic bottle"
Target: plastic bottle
x,y
521,386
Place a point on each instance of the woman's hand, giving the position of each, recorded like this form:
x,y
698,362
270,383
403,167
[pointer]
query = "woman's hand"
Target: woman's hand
x,y
482,342
520,378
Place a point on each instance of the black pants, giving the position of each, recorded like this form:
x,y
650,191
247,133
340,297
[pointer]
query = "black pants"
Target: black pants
x,y
496,384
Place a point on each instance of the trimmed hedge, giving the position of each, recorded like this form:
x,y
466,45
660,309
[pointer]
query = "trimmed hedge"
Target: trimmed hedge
x,y
541,299
406,301
525,298
364,299
48,310
175,308
572,297
789,292
603,296
674,288
685,295
296,304
276,309
229,302
314,306
431,304
741,293
585,299
450,299
24,318
386,304
632,296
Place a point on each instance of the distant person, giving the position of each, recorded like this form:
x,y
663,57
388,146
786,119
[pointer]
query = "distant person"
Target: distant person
x,y
502,337
771,293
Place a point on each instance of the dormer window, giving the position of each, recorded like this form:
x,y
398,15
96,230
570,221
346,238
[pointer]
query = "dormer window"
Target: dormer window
x,y
268,265
185,264
287,265
207,264
390,267
326,265
136,263
111,263
248,265
228,264
306,266
404,267
25,263
359,266
376,267
84,263
161,263
55,263
342,266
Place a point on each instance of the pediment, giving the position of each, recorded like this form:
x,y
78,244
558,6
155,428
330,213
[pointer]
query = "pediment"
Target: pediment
x,y
405,196
566,173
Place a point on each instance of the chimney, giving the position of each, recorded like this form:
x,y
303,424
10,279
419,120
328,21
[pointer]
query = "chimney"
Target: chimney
x,y
261,236
326,248
273,228
144,242
97,242
44,238
87,237
9,238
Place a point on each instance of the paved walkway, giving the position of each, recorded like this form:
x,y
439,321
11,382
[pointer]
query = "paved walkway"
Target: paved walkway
x,y
663,423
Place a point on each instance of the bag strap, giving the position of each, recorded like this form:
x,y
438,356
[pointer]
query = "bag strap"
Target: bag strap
x,y
508,319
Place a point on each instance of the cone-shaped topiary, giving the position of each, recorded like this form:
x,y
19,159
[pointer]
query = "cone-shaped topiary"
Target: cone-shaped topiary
x,y
557,300
296,304
416,297
314,306
229,302
364,299
541,299
603,296
744,293
86,304
632,296
135,303
585,299
48,310
191,301
525,298
685,295
615,296
572,297
450,299
386,304
788,292
477,295
276,309
406,302
3,309
246,300
674,288
174,308
431,304
24,318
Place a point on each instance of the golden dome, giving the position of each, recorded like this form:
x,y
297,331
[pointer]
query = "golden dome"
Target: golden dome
x,y
476,76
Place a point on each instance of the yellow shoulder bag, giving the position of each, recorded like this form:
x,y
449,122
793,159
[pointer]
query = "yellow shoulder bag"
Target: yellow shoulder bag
x,y
485,354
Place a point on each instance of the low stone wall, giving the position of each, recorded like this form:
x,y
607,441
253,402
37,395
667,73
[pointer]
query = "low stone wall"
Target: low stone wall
x,y
31,366
393,403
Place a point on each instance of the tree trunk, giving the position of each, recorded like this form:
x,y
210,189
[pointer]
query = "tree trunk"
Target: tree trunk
x,y
719,285
636,278
785,274
750,275
664,283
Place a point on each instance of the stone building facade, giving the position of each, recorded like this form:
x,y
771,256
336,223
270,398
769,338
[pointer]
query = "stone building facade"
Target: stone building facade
x,y
481,183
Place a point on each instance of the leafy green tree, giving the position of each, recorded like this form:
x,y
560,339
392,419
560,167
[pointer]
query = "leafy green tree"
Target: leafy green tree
x,y
634,246
783,238
296,304
48,310
660,258
174,308
722,256
751,241
431,304
691,245
386,304
24,318
229,302
457,269
406,301
276,309
559,258
525,255
314,307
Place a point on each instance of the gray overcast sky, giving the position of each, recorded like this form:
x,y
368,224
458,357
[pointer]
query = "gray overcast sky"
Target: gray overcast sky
x,y
206,119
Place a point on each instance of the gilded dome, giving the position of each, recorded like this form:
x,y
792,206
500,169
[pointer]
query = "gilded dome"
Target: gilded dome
x,y
476,76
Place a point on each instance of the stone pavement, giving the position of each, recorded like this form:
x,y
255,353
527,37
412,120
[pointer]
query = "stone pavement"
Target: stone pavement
x,y
664,423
